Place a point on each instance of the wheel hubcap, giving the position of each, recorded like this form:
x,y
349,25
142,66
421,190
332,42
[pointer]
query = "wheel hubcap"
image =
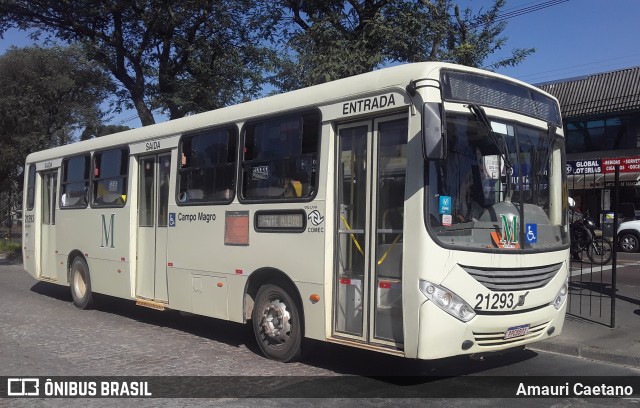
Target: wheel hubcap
x,y
628,243
79,284
275,321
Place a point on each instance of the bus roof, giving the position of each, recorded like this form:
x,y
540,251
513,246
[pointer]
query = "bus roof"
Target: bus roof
x,y
317,95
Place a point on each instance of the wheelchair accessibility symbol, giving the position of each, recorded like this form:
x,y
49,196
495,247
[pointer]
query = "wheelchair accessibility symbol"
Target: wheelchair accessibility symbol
x,y
531,231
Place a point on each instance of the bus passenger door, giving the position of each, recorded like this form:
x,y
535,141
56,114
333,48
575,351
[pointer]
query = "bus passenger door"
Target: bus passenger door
x,y
371,173
49,185
153,203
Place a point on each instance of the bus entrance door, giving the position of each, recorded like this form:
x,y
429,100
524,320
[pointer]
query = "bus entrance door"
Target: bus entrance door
x,y
372,163
48,196
153,203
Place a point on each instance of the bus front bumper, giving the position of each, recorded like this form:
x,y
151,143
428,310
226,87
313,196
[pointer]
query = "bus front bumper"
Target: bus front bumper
x,y
442,335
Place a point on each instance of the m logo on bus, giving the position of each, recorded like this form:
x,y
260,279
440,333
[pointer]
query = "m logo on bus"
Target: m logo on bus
x,y
107,232
509,237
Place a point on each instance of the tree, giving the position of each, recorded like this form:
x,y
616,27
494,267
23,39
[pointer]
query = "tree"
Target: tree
x,y
91,132
473,37
47,95
323,40
179,57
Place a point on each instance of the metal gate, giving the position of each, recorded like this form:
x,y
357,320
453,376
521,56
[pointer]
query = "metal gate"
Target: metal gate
x,y
595,188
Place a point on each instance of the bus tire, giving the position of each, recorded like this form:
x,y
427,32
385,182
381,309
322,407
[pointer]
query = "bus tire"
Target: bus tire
x,y
277,324
80,283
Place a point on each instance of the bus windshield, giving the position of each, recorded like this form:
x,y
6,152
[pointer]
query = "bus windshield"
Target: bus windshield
x,y
496,189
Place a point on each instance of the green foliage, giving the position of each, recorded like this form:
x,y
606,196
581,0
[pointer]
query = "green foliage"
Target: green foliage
x,y
9,247
179,57
323,40
91,132
47,93
184,57
472,38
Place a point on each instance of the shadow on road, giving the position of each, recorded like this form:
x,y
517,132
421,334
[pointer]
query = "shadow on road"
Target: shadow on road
x,y
603,289
335,358
53,291
230,333
351,361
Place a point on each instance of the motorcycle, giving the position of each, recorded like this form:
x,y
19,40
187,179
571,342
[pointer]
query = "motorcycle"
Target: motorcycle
x,y
584,239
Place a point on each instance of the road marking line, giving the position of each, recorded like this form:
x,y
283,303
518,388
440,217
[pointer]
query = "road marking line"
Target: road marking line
x,y
595,268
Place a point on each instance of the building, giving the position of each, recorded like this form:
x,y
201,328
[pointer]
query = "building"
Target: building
x,y
601,119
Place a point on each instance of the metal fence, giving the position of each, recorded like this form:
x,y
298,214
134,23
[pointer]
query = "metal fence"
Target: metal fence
x,y
592,283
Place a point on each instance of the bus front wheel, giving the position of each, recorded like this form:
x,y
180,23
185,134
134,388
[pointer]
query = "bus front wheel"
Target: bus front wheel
x,y
80,284
277,324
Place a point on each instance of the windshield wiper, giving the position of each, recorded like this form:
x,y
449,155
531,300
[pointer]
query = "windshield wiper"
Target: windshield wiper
x,y
546,147
498,141
540,159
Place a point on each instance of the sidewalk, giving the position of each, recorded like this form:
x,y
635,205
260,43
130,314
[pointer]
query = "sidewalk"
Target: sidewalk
x,y
583,338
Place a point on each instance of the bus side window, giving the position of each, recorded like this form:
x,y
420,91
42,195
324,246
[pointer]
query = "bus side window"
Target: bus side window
x,y
31,185
207,166
109,183
280,158
75,182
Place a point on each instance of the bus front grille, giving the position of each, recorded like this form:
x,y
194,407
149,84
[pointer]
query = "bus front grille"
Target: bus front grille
x,y
497,338
513,279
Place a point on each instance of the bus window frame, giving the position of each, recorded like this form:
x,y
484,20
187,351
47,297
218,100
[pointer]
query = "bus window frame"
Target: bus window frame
x,y
240,167
427,190
92,177
63,182
235,133
31,187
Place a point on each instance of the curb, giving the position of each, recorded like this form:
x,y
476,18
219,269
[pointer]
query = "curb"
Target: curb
x,y
590,353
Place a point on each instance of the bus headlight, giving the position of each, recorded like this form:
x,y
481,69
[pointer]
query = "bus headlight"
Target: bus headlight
x,y
562,295
447,301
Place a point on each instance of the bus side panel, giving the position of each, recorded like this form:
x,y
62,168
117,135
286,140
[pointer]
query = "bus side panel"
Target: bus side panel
x,y
221,241
102,236
314,312
110,277
198,292
29,243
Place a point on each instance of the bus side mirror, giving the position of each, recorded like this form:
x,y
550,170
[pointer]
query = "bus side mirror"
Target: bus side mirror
x,y
433,132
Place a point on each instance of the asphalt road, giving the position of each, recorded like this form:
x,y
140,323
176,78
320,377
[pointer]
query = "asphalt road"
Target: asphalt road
x,y
43,334
596,280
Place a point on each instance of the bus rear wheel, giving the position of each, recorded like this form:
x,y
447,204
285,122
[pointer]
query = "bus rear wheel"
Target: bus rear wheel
x,y
80,283
277,324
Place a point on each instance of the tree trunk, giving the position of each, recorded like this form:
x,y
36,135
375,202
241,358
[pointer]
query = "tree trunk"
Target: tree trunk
x,y
144,113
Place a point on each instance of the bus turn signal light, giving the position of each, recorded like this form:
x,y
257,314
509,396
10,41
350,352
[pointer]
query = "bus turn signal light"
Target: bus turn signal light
x,y
315,298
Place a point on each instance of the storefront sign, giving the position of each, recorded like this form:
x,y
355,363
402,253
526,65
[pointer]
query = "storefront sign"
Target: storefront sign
x,y
627,164
598,166
622,184
584,166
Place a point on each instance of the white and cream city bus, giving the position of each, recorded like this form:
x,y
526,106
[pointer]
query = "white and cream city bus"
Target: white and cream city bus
x,y
418,210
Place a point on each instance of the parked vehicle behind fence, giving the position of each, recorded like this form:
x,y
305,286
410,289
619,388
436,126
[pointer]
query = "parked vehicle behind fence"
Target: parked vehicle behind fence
x,y
629,236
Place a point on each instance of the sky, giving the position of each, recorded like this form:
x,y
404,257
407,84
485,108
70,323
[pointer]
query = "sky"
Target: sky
x,y
572,38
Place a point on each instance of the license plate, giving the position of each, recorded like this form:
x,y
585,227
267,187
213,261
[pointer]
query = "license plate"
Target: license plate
x,y
517,331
